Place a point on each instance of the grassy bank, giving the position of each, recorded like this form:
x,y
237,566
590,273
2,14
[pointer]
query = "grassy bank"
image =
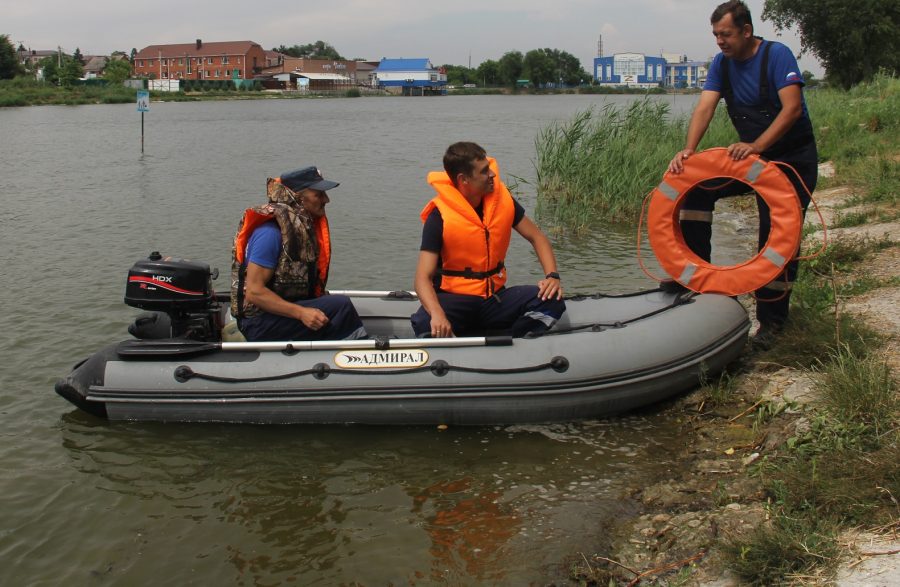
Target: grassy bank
x,y
602,162
26,92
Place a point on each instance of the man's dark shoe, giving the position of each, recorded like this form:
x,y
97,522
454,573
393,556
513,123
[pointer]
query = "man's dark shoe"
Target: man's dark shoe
x,y
766,337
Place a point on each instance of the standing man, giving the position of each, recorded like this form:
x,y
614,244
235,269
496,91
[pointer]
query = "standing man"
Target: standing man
x,y
280,262
461,273
762,86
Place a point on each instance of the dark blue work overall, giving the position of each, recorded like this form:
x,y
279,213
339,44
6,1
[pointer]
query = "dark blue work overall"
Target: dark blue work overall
x,y
796,148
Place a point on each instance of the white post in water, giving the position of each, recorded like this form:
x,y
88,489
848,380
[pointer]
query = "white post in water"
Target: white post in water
x,y
143,105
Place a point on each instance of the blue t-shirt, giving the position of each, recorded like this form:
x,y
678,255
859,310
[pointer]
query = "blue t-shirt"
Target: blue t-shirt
x,y
433,231
264,246
782,71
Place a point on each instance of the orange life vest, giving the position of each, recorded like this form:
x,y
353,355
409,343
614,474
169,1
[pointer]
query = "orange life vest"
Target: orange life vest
x,y
683,265
473,249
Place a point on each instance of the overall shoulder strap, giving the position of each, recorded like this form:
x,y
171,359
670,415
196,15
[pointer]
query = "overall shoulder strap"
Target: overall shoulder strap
x,y
764,74
727,92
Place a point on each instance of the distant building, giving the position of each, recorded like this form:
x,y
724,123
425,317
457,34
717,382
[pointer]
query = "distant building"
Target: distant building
x,y
410,77
33,56
681,73
311,74
199,60
94,66
634,70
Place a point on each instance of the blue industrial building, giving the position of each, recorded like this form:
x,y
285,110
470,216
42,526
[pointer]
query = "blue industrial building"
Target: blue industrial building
x,y
636,70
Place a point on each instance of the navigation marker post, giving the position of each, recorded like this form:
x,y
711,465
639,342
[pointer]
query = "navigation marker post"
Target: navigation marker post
x,y
143,105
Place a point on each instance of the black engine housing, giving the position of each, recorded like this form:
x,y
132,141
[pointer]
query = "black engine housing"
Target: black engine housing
x,y
179,295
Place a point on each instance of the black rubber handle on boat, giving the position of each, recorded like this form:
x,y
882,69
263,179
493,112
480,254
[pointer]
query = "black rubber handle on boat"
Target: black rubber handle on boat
x,y
498,341
164,348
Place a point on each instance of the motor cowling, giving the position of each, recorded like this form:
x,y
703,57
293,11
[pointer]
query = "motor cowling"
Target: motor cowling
x,y
179,295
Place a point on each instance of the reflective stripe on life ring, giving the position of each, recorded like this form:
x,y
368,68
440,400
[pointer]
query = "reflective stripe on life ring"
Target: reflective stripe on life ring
x,y
683,265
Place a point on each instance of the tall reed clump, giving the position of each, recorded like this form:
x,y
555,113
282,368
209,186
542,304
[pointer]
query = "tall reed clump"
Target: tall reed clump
x,y
603,162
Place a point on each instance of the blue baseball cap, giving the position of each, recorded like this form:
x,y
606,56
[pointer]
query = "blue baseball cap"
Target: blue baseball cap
x,y
307,178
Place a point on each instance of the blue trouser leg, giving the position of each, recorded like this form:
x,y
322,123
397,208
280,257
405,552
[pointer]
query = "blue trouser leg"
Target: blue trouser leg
x,y
773,300
514,309
343,322
519,310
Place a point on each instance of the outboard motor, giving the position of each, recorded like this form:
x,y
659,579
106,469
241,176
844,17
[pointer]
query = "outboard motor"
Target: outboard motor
x,y
180,298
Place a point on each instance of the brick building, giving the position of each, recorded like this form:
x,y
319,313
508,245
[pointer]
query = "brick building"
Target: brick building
x,y
199,60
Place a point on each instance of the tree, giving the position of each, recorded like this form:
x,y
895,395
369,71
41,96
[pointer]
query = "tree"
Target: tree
x,y
317,50
134,53
9,62
77,56
458,75
510,66
60,69
853,39
539,67
488,72
117,71
71,70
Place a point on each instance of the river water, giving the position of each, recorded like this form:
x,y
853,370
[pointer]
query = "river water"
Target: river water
x,y
88,502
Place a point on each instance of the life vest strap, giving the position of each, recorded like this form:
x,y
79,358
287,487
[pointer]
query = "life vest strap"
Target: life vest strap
x,y
468,273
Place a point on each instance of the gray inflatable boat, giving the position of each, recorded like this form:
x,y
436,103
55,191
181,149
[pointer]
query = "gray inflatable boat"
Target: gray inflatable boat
x,y
607,355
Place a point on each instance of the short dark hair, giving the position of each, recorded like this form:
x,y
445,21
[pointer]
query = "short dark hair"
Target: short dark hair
x,y
739,12
461,157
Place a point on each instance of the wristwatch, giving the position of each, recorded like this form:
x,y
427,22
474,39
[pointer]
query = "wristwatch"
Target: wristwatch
x,y
552,275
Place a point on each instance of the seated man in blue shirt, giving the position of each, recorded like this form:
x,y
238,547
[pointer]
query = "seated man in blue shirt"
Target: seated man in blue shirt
x,y
280,262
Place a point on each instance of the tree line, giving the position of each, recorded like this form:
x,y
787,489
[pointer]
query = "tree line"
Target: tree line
x,y
540,67
854,40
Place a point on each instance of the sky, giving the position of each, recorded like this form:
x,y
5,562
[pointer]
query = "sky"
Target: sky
x,y
461,32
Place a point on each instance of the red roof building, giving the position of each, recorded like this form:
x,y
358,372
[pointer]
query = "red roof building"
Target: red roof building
x,y
199,60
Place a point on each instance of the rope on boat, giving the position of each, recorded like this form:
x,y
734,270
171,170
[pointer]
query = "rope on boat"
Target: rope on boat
x,y
679,300
439,368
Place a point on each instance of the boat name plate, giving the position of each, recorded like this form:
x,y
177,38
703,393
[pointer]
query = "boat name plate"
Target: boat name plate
x,y
378,359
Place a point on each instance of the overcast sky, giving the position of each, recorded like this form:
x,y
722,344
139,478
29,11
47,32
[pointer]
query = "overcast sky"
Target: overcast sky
x,y
458,32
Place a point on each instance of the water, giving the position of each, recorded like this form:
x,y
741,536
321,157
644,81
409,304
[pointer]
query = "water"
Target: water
x,y
88,502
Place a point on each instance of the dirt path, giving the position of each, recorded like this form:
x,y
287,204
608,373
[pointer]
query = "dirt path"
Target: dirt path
x,y
712,495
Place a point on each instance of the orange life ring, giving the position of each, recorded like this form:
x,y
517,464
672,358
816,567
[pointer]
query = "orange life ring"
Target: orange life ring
x,y
688,269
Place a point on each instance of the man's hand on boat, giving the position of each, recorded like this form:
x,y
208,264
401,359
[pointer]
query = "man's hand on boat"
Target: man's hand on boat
x,y
549,288
440,326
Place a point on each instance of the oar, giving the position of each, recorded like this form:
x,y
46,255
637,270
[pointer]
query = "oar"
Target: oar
x,y
365,293
174,347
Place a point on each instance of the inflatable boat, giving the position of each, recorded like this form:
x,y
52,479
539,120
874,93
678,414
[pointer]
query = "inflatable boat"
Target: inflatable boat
x,y
607,355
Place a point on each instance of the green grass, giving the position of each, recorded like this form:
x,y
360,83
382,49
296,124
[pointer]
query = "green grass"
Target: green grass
x,y
839,472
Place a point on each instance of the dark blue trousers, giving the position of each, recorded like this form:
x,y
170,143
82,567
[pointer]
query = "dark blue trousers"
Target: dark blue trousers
x,y
513,310
773,299
343,323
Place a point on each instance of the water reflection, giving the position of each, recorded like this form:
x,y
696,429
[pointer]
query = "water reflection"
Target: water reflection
x,y
338,504
469,526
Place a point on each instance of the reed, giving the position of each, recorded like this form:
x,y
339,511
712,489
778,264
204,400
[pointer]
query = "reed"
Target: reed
x,y
603,161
